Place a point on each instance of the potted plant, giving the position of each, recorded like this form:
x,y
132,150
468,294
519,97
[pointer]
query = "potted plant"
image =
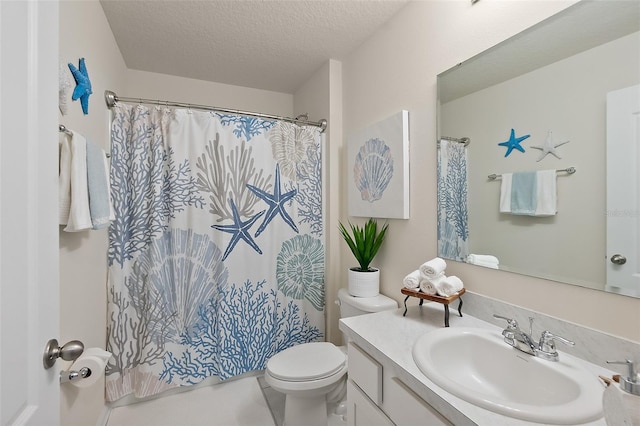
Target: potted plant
x,y
364,242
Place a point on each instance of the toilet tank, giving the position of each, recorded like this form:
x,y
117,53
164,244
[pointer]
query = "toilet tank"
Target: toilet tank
x,y
351,305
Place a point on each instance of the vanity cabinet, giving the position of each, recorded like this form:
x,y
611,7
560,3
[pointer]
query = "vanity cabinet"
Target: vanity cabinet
x,y
375,396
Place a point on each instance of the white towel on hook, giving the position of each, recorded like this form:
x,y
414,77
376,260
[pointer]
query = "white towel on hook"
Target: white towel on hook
x,y
72,184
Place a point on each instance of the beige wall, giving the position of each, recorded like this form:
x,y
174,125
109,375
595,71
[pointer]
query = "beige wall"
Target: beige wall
x,y
396,69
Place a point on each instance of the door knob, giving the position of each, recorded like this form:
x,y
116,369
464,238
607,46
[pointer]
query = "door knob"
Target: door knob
x,y
70,351
618,259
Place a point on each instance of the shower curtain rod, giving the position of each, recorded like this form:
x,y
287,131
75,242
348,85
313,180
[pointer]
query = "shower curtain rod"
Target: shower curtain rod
x,y
111,98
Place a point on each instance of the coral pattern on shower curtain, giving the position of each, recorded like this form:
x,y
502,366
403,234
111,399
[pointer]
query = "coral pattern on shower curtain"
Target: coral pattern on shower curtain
x,y
216,256
453,221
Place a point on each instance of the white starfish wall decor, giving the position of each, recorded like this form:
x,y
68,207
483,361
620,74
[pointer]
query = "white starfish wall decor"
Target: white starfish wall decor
x,y
549,147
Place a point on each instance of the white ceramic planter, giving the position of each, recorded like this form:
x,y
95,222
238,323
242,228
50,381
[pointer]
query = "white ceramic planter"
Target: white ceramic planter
x,y
364,284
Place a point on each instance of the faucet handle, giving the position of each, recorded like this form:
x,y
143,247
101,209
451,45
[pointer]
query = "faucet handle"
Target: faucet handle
x,y
547,345
511,323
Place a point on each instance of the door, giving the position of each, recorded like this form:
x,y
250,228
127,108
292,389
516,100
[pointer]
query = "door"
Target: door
x,y
623,191
29,301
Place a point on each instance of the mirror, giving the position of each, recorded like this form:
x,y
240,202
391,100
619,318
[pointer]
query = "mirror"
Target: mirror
x,y
574,77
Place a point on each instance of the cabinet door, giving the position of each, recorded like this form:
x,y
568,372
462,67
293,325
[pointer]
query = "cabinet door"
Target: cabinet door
x,y
361,411
404,407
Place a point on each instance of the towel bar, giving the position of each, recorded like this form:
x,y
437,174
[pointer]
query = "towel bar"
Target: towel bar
x,y
569,170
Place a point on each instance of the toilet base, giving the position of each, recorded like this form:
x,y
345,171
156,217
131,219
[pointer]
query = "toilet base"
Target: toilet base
x,y
308,411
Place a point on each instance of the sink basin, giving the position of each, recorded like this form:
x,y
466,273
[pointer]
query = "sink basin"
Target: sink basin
x,y
476,365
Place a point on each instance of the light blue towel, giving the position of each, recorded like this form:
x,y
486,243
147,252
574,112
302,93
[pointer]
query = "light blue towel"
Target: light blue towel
x,y
524,193
98,186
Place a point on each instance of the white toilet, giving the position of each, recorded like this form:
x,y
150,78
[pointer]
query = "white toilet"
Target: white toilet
x,y
312,374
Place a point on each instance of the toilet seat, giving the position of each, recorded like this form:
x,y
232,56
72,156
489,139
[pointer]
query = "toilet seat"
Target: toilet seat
x,y
307,362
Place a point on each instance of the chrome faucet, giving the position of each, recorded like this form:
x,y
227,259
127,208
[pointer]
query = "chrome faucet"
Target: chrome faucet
x,y
545,348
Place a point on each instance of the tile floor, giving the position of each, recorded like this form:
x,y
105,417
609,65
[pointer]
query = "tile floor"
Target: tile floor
x,y
234,403
244,402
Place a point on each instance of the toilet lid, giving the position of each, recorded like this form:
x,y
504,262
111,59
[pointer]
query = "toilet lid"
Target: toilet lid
x,y
308,361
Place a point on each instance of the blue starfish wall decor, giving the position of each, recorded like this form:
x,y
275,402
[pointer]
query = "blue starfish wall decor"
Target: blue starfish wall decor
x,y
83,85
549,147
276,202
240,230
513,142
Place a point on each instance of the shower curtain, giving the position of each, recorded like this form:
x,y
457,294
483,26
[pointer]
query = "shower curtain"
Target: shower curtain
x,y
216,256
453,226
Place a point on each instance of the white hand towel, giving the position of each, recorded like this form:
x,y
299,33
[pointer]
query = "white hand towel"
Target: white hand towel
x,y
433,267
412,281
430,285
546,193
79,215
449,286
505,193
64,179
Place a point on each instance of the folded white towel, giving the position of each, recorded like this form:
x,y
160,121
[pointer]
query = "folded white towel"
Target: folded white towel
x,y
505,193
487,258
491,265
412,280
546,193
433,267
427,287
430,285
449,286
76,214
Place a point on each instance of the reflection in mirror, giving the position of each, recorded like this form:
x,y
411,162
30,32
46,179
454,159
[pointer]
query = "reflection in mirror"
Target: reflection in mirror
x,y
562,94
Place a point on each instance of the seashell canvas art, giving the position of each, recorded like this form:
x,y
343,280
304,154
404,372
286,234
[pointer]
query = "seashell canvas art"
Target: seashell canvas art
x,y
373,169
379,158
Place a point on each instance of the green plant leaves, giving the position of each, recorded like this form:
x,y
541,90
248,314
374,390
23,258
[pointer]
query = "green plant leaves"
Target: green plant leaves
x,y
364,242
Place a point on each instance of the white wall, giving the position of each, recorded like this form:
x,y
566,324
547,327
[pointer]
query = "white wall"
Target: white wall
x,y
396,69
550,98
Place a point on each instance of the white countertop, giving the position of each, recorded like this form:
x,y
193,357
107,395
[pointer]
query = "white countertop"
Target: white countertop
x,y
389,338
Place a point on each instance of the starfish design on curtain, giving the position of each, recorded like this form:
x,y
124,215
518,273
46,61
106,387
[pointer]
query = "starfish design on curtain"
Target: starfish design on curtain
x,y
276,202
549,147
83,85
513,142
240,230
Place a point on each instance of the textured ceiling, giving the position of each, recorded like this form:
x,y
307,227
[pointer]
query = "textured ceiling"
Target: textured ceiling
x,y
269,44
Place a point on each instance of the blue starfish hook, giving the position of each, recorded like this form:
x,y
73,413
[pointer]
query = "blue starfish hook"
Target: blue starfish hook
x,y
83,85
513,142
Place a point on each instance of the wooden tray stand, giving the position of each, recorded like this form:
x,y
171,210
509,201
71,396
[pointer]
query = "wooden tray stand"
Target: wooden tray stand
x,y
434,298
